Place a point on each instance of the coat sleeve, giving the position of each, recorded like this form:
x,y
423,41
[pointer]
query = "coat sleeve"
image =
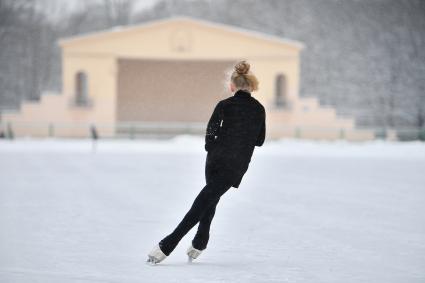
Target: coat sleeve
x,y
213,126
262,134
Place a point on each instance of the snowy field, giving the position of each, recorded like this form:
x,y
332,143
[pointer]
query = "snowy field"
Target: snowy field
x,y
305,212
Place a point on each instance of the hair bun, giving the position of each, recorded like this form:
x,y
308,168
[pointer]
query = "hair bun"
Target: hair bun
x,y
242,67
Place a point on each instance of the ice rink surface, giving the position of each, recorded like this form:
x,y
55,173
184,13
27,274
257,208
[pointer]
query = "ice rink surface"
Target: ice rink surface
x,y
304,212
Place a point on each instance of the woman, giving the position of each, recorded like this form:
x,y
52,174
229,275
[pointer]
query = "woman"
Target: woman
x,y
236,126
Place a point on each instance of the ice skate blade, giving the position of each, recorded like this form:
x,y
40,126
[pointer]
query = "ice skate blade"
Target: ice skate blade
x,y
193,253
156,256
151,261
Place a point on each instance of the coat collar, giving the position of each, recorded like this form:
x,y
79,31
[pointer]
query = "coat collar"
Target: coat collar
x,y
242,93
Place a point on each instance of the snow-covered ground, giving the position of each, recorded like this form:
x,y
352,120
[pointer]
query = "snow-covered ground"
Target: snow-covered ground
x,y
305,212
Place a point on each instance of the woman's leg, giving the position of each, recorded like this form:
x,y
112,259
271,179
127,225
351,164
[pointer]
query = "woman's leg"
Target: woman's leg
x,y
202,236
206,199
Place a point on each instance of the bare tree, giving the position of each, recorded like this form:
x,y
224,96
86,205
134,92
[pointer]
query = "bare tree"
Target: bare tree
x,y
118,12
26,40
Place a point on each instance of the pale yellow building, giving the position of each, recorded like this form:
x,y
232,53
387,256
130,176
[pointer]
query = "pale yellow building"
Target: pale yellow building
x,y
171,73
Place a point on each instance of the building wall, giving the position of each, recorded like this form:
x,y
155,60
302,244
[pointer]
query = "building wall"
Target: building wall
x,y
170,90
101,74
267,71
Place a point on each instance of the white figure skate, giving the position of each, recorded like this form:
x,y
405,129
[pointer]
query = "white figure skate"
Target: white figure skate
x,y
156,256
192,253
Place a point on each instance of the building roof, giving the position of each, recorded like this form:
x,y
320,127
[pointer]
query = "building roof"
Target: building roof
x,y
246,32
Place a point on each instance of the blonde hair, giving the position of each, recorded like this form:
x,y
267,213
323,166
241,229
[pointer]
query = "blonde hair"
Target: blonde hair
x,y
243,78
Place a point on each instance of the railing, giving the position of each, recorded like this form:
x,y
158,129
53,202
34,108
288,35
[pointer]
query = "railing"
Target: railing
x,y
134,130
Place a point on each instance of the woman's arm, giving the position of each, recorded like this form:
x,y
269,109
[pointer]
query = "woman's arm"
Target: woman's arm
x,y
262,134
213,126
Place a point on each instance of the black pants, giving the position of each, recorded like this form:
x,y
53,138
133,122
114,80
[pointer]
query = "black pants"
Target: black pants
x,y
219,180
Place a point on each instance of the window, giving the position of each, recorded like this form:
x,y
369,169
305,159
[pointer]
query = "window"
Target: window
x,y
81,89
280,88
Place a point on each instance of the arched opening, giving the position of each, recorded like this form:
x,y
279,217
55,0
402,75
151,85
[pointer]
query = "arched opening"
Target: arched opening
x,y
81,88
280,91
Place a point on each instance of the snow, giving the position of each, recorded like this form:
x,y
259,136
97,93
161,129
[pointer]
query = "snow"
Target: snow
x,y
305,212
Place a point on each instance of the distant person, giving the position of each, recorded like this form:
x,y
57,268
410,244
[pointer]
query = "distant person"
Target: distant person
x,y
236,126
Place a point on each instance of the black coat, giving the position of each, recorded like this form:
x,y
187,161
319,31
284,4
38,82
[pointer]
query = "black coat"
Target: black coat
x,y
236,126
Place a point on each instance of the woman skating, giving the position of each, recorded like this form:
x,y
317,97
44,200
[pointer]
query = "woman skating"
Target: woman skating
x,y
236,126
